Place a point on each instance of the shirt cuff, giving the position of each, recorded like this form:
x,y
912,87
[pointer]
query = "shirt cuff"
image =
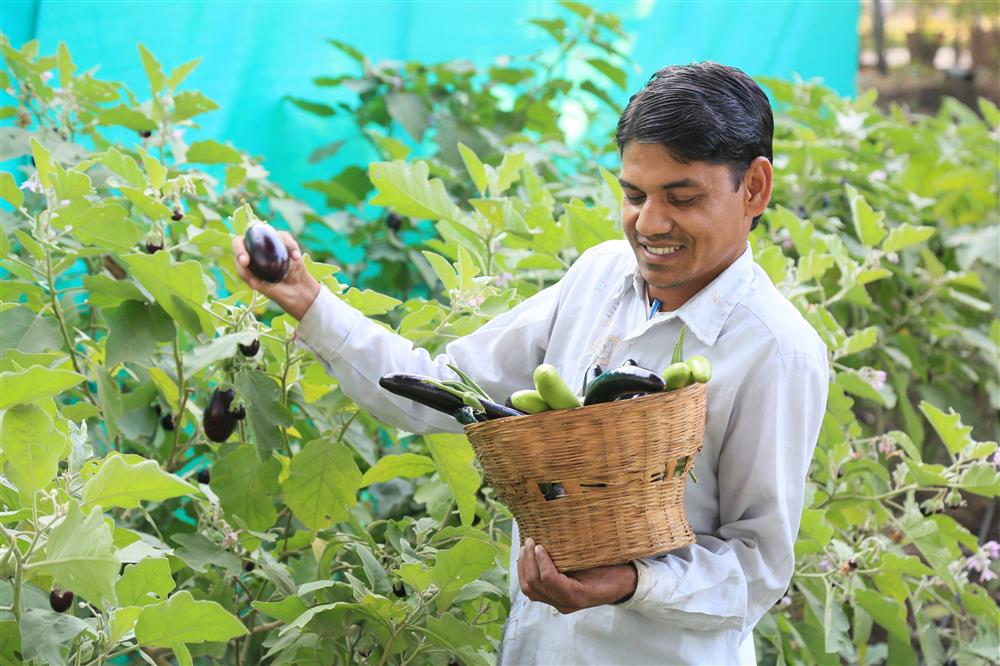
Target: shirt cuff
x,y
653,588
327,324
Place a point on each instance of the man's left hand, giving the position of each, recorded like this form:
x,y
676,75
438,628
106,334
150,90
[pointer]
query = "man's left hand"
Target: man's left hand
x,y
568,593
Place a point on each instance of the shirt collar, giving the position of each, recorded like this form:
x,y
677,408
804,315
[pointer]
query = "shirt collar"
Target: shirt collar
x,y
707,311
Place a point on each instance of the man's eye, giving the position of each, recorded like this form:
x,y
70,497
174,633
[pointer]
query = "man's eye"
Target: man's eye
x,y
684,202
635,198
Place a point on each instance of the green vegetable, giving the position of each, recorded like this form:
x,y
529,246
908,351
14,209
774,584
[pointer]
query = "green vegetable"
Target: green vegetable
x,y
553,388
701,369
529,401
677,375
679,347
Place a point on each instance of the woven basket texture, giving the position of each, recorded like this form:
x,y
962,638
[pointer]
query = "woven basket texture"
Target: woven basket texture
x,y
622,466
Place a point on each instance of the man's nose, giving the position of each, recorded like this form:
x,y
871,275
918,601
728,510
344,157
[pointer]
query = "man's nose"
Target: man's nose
x,y
653,221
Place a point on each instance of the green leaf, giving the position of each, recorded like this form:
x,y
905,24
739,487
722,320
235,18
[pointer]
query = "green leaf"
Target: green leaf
x,y
134,329
868,224
9,191
181,72
197,551
71,184
347,188
157,172
444,270
154,71
981,479
616,74
814,265
459,565
507,173
409,110
453,457
125,167
907,564
32,448
886,611
43,163
378,580
859,341
370,302
589,226
213,152
80,556
871,275
614,186
774,263
405,188
179,288
28,332
123,116
450,632
145,583
107,226
35,383
853,383
906,235
247,487
835,624
265,412
65,64
948,427
109,395
315,108
285,610
391,149
182,620
44,633
405,465
189,104
473,165
322,484
222,347
119,483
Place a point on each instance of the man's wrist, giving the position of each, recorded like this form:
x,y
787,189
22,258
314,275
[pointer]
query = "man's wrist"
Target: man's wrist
x,y
300,306
633,578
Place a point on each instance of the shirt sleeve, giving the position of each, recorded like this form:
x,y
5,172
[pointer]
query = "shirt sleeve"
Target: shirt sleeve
x,y
357,351
729,579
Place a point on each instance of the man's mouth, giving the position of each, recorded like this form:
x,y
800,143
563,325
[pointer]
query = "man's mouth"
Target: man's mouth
x,y
665,250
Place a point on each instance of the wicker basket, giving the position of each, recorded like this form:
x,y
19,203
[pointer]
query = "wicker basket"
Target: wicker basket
x,y
622,465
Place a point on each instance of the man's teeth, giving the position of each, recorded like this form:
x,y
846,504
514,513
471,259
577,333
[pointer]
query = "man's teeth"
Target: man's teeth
x,y
663,250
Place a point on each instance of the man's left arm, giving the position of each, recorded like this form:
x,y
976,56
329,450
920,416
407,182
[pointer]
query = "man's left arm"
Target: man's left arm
x,y
731,578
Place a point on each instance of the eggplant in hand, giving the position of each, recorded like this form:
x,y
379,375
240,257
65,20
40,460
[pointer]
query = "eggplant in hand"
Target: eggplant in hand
x,y
269,258
219,421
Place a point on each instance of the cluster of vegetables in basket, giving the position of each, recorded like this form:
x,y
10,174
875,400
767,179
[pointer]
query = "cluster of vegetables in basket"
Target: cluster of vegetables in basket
x,y
468,403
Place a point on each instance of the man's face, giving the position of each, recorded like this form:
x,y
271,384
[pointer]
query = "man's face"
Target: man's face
x,y
686,222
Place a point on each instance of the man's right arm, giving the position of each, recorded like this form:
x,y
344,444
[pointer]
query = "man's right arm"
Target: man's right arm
x,y
500,355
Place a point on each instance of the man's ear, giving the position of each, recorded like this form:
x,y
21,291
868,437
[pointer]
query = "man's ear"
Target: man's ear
x,y
759,179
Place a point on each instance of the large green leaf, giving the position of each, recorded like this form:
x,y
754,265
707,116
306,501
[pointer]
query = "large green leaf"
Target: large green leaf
x,y
179,288
405,465
948,427
322,484
35,383
154,71
218,349
134,329
906,235
406,189
80,555
181,620
886,611
145,583
213,152
409,110
119,483
456,566
265,412
9,191
246,486
44,633
453,456
589,226
31,448
476,169
868,224
29,332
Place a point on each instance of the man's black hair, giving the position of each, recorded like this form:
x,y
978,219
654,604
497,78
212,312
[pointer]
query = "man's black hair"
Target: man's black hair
x,y
702,112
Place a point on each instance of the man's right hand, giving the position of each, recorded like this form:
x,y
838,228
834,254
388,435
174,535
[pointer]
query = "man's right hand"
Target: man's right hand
x,y
295,293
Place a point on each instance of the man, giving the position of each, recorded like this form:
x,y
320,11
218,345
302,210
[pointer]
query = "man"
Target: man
x,y
696,172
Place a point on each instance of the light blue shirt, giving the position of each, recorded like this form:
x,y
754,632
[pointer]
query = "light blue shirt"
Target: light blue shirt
x,y
766,400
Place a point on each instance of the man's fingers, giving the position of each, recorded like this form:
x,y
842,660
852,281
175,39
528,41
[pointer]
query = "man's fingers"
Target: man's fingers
x,y
289,241
240,252
547,571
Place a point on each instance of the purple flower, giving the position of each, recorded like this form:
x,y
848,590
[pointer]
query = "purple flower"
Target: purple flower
x,y
874,377
992,549
980,561
825,565
996,458
886,444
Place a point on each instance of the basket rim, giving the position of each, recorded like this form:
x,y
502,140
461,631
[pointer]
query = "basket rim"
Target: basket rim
x,y
603,409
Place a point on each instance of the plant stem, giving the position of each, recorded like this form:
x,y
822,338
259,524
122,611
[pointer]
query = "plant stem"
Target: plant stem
x,y
62,324
182,397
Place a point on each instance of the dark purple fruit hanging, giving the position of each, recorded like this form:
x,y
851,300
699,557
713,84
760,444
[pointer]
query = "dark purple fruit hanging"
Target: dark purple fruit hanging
x,y
145,134
250,349
218,422
203,476
393,221
153,248
60,600
269,258
167,422
177,215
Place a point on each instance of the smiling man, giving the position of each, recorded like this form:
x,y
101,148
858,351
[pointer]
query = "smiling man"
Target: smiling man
x,y
695,146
